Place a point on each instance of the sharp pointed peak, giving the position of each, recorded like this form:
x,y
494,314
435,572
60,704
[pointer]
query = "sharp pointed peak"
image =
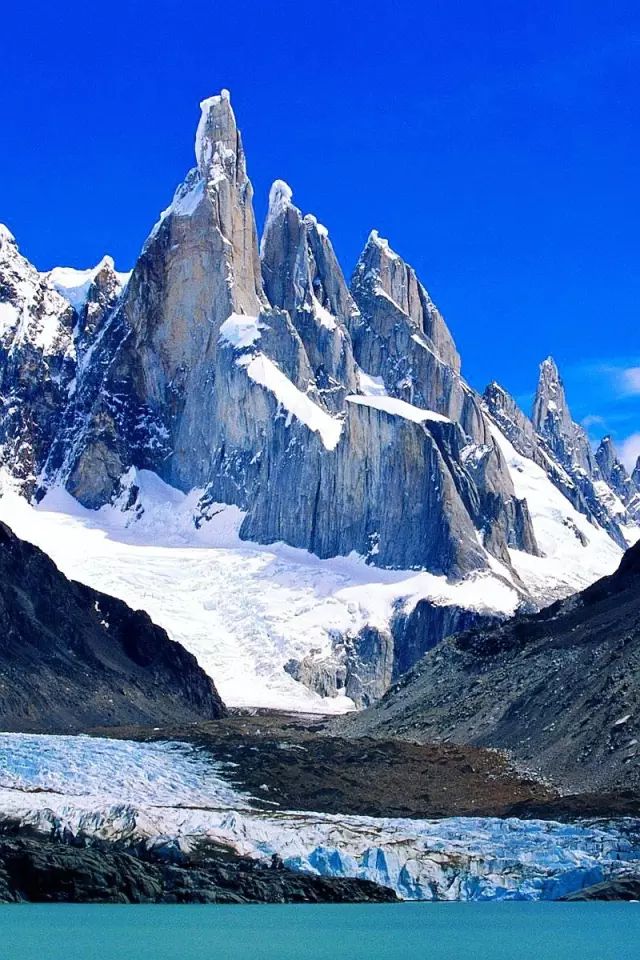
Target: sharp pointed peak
x,y
216,128
549,366
281,200
280,196
381,243
312,221
494,388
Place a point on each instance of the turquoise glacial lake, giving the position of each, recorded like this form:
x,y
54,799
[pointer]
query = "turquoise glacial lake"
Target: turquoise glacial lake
x,y
411,931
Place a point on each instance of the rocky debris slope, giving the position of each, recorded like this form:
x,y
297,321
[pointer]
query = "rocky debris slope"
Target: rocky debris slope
x,y
559,689
624,887
71,657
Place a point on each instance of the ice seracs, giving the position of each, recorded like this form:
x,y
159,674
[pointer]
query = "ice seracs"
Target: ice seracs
x,y
159,794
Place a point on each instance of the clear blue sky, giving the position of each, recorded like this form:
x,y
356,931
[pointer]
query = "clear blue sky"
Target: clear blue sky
x,y
495,144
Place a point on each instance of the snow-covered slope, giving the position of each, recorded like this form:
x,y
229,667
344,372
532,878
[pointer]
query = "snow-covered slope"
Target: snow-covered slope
x,y
74,284
158,793
243,609
246,609
575,551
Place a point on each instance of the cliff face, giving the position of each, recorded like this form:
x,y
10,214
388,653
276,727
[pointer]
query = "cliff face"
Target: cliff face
x,y
72,658
37,362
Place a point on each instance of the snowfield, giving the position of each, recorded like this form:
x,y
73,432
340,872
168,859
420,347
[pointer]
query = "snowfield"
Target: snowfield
x,y
245,609
567,566
175,794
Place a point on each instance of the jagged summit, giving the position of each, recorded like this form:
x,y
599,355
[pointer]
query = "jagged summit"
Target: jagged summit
x,y
301,275
382,275
606,453
374,239
216,132
280,196
615,475
552,420
550,401
596,484
74,284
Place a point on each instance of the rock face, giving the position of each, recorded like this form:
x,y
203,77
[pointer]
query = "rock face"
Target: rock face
x,y
48,323
552,420
302,276
72,658
558,688
37,362
613,472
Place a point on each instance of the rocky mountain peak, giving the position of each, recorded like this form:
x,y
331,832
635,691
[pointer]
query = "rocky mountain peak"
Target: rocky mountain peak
x,y
382,273
217,141
74,284
614,472
515,425
101,295
551,411
497,397
552,420
606,455
301,275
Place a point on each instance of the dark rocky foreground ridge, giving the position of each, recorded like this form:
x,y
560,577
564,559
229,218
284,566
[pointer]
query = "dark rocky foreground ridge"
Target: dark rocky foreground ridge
x,y
559,689
71,657
50,870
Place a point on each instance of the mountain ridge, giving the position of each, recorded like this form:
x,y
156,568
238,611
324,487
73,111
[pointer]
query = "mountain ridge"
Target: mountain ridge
x,y
557,688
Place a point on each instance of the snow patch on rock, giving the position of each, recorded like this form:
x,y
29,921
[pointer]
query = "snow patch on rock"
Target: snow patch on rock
x,y
398,408
267,374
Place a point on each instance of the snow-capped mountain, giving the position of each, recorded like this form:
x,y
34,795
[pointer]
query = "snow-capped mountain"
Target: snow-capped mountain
x,y
333,419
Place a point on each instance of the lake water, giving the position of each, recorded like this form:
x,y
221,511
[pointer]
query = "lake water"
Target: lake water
x,y
412,931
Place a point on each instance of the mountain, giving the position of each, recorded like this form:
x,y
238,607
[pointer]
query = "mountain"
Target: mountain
x,y
334,416
595,483
72,658
559,688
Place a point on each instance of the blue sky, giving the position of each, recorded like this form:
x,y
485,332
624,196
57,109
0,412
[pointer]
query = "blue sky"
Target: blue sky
x,y
495,144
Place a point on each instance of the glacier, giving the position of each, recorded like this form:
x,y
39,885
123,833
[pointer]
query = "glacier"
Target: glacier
x,y
172,796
